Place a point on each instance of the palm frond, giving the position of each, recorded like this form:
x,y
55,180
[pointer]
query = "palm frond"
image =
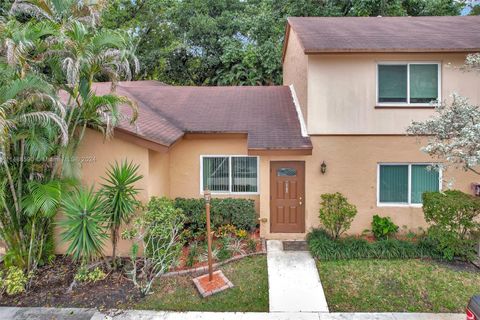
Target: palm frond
x,y
45,118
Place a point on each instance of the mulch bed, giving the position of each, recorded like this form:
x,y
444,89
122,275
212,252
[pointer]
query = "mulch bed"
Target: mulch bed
x,y
51,289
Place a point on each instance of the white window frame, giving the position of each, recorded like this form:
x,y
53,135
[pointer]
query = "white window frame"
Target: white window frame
x,y
229,156
408,104
409,164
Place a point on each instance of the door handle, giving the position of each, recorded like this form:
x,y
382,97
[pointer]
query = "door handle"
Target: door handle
x,y
300,203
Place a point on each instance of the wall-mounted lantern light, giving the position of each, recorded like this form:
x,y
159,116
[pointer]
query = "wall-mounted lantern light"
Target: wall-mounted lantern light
x,y
323,167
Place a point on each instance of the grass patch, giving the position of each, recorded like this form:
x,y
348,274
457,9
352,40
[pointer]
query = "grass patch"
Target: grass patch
x,y
250,293
396,286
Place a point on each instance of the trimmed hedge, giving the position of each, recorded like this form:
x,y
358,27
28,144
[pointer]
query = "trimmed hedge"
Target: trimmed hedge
x,y
324,247
453,217
238,212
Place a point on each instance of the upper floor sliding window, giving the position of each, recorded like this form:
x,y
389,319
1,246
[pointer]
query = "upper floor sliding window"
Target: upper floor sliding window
x,y
229,174
409,84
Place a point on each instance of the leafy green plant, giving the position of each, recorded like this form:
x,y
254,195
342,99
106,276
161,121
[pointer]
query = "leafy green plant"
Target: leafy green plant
x,y
224,251
324,247
119,198
84,226
85,275
157,233
336,214
15,281
241,234
454,227
251,245
383,227
237,212
192,256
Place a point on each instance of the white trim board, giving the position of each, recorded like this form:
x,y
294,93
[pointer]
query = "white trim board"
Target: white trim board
x,y
303,126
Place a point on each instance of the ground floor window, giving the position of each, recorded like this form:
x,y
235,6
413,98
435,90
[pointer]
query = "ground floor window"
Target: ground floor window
x,y
404,183
229,174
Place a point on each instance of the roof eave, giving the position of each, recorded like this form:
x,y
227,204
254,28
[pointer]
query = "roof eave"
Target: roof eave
x,y
391,50
307,151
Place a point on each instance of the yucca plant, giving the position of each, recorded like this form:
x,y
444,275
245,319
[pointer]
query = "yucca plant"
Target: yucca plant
x,y
85,227
119,197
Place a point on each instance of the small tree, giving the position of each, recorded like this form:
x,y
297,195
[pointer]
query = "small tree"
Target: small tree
x,y
455,130
157,234
336,214
119,198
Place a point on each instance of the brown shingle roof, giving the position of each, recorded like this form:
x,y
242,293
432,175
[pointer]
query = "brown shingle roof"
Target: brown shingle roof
x,y
267,115
387,34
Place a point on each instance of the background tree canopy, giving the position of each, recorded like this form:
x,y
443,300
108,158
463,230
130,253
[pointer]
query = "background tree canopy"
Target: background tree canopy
x,y
234,42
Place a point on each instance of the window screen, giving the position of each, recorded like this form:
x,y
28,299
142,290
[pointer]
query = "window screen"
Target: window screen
x,y
216,173
392,83
423,83
244,174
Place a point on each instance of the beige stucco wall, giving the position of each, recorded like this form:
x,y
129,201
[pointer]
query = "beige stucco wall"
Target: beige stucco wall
x,y
352,170
173,174
342,92
96,154
185,163
295,70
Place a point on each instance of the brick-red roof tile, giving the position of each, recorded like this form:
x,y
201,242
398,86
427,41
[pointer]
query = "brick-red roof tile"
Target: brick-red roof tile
x,y
266,114
388,34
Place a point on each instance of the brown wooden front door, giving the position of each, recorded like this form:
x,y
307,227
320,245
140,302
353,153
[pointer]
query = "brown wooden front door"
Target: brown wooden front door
x,y
287,196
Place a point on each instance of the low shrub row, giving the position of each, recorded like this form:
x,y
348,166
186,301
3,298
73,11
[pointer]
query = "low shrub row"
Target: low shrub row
x,y
227,211
325,247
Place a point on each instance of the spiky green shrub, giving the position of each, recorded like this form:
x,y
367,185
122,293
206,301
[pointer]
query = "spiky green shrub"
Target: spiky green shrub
x,y
85,225
119,198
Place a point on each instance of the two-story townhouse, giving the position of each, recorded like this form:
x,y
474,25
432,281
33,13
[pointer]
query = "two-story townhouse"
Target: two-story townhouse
x,y
360,82
351,87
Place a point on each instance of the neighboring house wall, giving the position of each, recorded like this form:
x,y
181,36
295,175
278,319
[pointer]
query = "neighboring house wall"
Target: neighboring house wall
x,y
342,92
295,70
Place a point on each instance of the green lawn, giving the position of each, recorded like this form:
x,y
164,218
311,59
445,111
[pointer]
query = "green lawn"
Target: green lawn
x,y
396,285
250,293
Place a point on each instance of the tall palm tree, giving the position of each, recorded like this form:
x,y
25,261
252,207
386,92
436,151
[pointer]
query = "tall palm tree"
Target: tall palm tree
x,y
59,48
26,104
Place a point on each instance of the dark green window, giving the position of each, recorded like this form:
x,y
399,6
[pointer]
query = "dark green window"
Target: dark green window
x,y
423,83
392,83
405,183
423,180
409,83
394,183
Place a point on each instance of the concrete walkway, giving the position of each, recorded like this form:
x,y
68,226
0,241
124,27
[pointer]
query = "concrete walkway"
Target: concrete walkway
x,y
293,281
12,313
